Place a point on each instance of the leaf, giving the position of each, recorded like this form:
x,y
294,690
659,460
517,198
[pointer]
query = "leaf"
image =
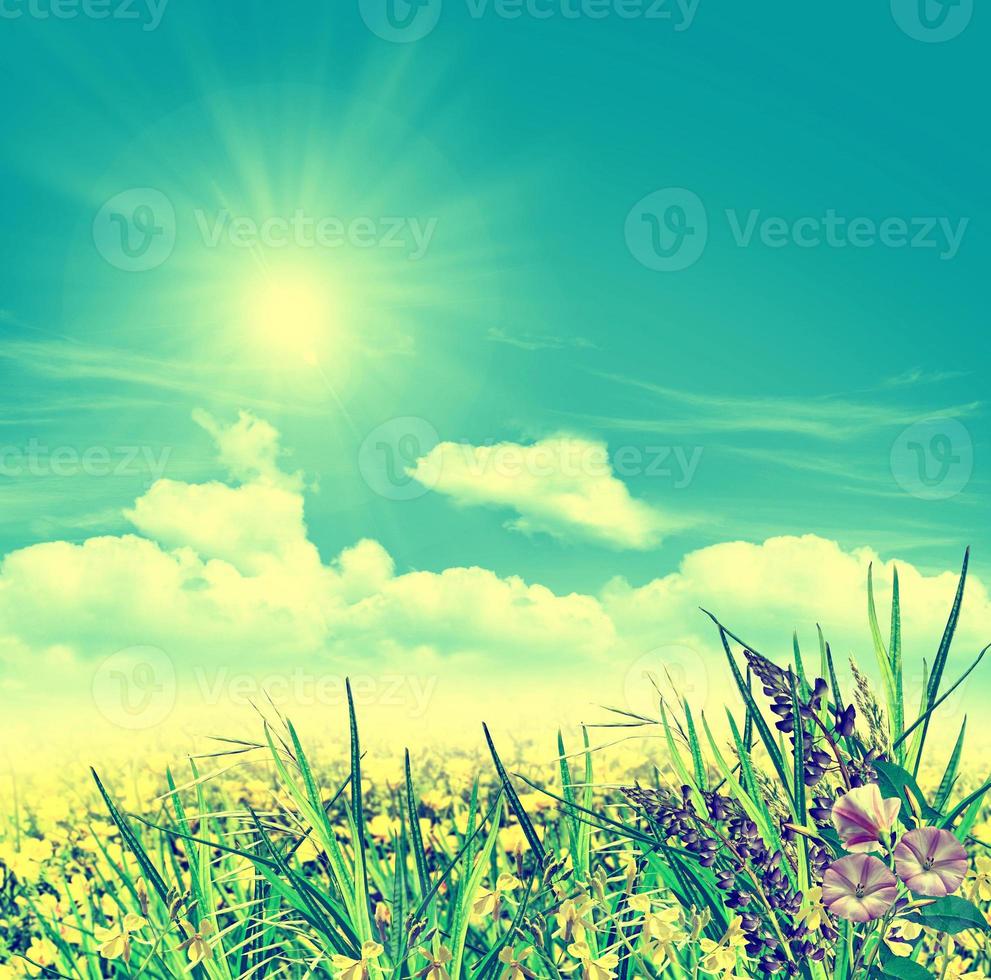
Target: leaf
x,y
942,654
950,775
753,711
901,968
693,741
895,781
419,854
514,801
952,914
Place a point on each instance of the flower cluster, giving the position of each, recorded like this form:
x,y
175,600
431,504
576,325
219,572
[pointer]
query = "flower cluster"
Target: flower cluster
x,y
927,861
777,923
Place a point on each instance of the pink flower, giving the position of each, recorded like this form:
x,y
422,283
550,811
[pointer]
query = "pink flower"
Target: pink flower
x,y
931,861
863,819
859,888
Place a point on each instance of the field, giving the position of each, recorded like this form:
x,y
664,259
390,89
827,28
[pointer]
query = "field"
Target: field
x,y
814,831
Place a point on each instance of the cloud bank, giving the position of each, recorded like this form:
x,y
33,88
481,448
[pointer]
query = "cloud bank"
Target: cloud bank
x,y
226,573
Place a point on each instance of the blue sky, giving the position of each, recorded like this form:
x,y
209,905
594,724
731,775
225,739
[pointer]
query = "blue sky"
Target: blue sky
x,y
485,268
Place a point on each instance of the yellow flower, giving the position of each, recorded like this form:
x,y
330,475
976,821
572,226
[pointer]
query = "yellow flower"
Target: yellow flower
x,y
639,903
900,935
721,957
197,945
664,926
515,970
437,960
594,968
956,969
981,877
487,901
574,916
115,943
812,913
349,969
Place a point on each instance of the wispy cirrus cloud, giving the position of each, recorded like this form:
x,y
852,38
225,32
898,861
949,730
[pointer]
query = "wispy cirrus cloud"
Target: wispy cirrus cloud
x,y
535,342
824,417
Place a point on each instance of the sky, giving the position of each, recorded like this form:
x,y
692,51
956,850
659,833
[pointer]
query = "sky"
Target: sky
x,y
469,347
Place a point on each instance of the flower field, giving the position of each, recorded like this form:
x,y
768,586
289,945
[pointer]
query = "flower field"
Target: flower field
x,y
817,830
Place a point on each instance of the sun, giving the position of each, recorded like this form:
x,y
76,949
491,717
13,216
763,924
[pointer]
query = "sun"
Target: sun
x,y
290,314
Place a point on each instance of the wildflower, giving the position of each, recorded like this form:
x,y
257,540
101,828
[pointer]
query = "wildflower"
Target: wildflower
x,y
956,969
115,943
593,967
721,957
574,916
901,935
437,960
514,963
488,901
863,819
664,926
981,877
197,945
859,888
931,861
350,969
812,913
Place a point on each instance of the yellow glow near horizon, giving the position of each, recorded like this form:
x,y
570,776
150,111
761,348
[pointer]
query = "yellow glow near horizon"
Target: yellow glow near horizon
x,y
290,314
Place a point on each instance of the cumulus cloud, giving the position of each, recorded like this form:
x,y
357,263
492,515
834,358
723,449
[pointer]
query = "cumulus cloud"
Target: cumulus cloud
x,y
562,486
226,574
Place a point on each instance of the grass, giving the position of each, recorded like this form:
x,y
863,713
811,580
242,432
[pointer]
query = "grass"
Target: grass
x,y
258,861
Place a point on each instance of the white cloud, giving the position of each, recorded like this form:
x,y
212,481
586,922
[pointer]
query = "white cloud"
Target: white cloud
x,y
562,486
226,576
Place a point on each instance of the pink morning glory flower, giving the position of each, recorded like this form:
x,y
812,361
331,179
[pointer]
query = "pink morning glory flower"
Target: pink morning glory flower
x,y
931,861
859,888
864,819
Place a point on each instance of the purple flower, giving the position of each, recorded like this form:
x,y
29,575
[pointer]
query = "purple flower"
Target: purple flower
x,y
863,819
931,861
859,888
